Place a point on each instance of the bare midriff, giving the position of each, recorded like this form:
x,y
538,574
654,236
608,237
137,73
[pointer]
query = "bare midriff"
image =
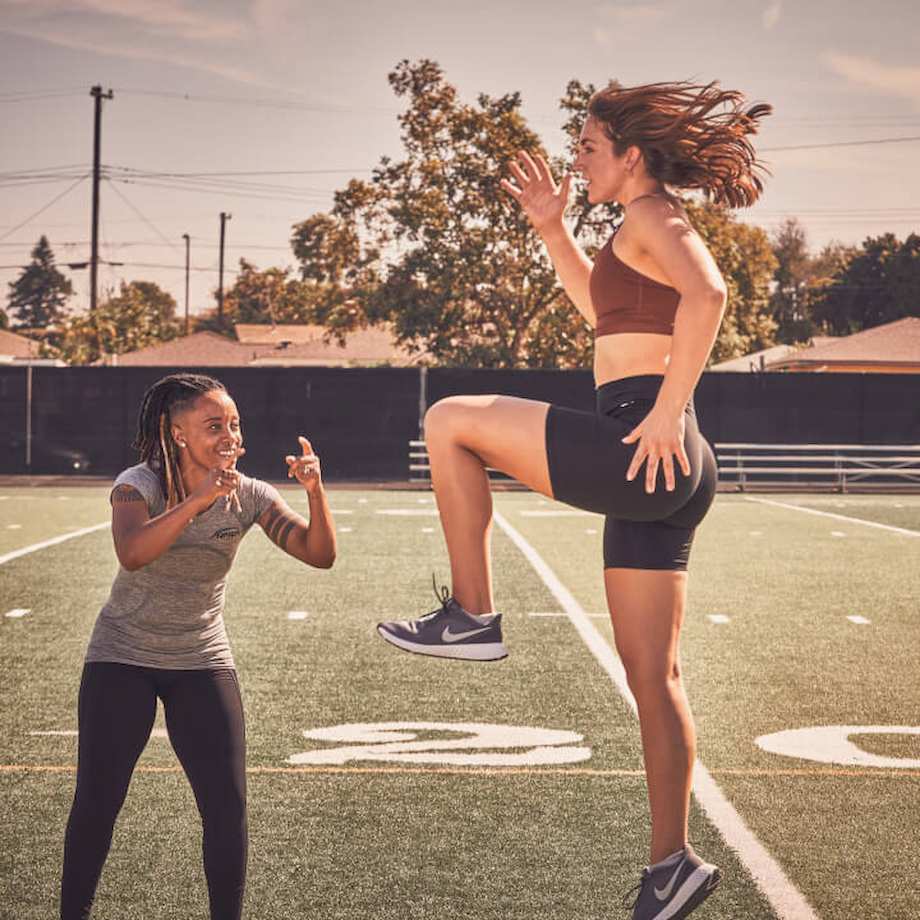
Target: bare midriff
x,y
630,354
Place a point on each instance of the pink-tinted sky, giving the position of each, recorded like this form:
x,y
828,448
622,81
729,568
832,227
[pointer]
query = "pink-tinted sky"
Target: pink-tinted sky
x,y
278,85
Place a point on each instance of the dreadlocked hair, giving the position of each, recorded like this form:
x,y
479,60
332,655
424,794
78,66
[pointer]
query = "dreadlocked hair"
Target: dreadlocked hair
x,y
685,141
154,441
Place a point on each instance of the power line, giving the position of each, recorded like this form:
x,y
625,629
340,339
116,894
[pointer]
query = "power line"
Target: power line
x,y
36,97
306,199
141,216
881,140
42,210
262,103
260,172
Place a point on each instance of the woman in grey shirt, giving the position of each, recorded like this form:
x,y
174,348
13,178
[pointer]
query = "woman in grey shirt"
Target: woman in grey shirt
x,y
177,519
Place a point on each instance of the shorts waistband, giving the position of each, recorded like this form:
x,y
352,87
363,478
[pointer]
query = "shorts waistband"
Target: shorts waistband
x,y
643,386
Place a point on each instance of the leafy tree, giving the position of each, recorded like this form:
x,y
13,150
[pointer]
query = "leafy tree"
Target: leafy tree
x,y
139,315
432,245
38,297
269,296
747,263
789,301
4,320
878,284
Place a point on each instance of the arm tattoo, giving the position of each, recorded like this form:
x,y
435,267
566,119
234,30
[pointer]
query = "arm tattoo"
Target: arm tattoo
x,y
279,524
124,493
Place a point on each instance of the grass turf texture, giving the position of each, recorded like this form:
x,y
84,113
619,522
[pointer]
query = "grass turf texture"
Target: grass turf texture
x,y
548,842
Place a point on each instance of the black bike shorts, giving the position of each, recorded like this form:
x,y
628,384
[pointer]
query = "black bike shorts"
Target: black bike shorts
x,y
587,466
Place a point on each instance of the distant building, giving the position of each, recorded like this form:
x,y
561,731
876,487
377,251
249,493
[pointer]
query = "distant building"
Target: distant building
x,y
890,349
18,349
272,346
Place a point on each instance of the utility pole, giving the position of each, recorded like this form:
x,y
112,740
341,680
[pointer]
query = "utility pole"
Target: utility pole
x,y
188,244
224,217
98,96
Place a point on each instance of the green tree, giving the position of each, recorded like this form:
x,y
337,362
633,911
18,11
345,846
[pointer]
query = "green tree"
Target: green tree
x,y
4,320
877,284
789,302
269,296
747,263
433,246
38,297
141,314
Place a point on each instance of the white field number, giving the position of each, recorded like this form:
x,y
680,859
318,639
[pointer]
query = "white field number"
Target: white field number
x,y
833,744
473,744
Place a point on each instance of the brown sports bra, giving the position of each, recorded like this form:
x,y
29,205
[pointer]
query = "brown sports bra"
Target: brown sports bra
x,y
625,300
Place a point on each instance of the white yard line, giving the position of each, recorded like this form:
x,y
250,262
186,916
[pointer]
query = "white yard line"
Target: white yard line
x,y
16,553
839,517
785,899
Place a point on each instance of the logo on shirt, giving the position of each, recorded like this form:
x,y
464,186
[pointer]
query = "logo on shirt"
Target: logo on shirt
x,y
226,533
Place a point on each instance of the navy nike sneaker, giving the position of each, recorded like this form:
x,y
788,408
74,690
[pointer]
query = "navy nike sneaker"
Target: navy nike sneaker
x,y
673,889
449,632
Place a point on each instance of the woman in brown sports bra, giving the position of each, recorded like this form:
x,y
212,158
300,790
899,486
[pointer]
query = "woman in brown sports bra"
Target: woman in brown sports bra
x,y
655,298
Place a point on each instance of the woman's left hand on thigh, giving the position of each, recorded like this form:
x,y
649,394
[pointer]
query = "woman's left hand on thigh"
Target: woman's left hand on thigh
x,y
661,438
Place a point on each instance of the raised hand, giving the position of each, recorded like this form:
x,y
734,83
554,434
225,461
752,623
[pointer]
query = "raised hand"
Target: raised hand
x,y
536,191
216,484
305,468
233,499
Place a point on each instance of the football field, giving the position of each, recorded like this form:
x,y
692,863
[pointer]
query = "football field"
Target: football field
x,y
388,786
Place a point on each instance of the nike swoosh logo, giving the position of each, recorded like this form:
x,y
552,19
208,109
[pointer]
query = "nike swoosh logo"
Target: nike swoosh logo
x,y
448,636
664,893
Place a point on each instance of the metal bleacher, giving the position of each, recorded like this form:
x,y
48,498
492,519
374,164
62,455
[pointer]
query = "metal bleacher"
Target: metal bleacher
x,y
806,467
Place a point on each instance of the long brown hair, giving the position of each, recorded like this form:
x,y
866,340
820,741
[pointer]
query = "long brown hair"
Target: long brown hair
x,y
685,141
154,441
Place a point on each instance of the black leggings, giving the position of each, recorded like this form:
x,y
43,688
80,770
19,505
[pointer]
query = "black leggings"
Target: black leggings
x,y
204,717
588,462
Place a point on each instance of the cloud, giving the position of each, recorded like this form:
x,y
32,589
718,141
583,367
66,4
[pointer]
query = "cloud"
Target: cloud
x,y
119,48
170,18
772,13
903,82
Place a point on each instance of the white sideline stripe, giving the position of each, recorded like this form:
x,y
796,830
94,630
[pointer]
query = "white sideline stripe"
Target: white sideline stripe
x,y
719,618
784,897
561,613
297,614
8,557
858,620
839,517
17,612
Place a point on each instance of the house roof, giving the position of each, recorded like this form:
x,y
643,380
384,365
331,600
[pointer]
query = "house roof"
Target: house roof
x,y
263,334
897,342
287,345
16,346
200,349
754,361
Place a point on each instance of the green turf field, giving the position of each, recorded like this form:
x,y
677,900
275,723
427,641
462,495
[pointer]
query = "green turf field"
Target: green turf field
x,y
524,827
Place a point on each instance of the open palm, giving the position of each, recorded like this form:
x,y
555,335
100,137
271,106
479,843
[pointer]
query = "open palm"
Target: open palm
x,y
536,191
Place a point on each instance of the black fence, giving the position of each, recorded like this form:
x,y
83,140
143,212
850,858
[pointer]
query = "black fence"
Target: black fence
x,y
361,419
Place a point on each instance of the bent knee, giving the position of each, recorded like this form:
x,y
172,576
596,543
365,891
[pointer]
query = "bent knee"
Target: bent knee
x,y
453,417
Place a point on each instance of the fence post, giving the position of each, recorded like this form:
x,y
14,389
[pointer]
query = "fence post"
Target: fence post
x,y
422,400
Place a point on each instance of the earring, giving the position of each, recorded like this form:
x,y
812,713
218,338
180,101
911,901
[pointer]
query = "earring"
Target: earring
x,y
182,444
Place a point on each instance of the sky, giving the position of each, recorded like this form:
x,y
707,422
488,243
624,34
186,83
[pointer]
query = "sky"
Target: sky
x,y
295,94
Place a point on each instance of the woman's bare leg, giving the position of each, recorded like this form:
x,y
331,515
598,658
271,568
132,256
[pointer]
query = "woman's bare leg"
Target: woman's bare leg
x,y
464,435
647,610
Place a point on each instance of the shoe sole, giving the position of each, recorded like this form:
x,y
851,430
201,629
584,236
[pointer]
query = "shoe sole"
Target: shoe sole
x,y
697,898
470,651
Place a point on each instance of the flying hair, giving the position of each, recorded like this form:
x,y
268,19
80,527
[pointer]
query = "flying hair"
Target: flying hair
x,y
691,136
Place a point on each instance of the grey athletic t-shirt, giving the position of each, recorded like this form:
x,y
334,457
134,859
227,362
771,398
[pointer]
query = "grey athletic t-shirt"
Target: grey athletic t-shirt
x,y
169,613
